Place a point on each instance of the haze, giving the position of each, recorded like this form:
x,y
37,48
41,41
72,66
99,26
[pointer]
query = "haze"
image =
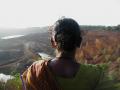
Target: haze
x,y
37,13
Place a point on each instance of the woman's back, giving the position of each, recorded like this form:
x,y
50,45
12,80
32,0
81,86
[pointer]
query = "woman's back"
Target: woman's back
x,y
64,67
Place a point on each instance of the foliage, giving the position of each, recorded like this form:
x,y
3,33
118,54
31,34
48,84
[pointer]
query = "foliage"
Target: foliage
x,y
2,86
12,84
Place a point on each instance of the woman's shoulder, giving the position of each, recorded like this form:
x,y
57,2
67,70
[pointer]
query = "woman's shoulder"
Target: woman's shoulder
x,y
39,63
36,67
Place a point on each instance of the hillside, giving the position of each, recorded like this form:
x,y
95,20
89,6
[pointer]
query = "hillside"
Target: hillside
x,y
18,53
98,47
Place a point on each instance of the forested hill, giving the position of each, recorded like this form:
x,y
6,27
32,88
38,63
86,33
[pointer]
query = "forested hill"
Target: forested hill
x,y
95,28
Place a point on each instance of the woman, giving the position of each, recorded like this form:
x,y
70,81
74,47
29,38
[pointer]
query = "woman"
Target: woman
x,y
63,72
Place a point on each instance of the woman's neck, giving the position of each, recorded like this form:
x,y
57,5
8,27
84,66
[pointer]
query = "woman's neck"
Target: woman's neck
x,y
65,54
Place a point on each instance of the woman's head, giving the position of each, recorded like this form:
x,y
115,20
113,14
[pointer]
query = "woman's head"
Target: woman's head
x,y
66,35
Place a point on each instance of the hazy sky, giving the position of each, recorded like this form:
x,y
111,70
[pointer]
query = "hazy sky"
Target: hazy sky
x,y
36,13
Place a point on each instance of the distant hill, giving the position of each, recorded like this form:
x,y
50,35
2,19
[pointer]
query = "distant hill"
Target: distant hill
x,y
23,31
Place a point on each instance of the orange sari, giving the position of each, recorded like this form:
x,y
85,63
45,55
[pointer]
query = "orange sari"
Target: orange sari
x,y
39,77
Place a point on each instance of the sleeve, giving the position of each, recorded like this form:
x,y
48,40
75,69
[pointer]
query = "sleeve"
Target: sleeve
x,y
107,82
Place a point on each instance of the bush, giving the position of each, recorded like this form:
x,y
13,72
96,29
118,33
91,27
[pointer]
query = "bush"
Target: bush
x,y
12,84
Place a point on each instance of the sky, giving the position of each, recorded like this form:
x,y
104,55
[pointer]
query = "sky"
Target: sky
x,y
38,13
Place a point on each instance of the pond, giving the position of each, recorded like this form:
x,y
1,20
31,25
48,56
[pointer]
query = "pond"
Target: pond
x,y
44,56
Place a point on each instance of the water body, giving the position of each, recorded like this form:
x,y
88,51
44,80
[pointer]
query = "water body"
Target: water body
x,y
12,36
4,78
44,56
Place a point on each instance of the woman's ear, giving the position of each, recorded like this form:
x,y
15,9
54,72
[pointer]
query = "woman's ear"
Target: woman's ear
x,y
53,42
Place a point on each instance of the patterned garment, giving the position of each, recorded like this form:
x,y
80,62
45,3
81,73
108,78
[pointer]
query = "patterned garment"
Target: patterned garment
x,y
89,77
39,77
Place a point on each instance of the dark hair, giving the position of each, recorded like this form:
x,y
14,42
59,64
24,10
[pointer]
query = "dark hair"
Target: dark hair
x,y
67,34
